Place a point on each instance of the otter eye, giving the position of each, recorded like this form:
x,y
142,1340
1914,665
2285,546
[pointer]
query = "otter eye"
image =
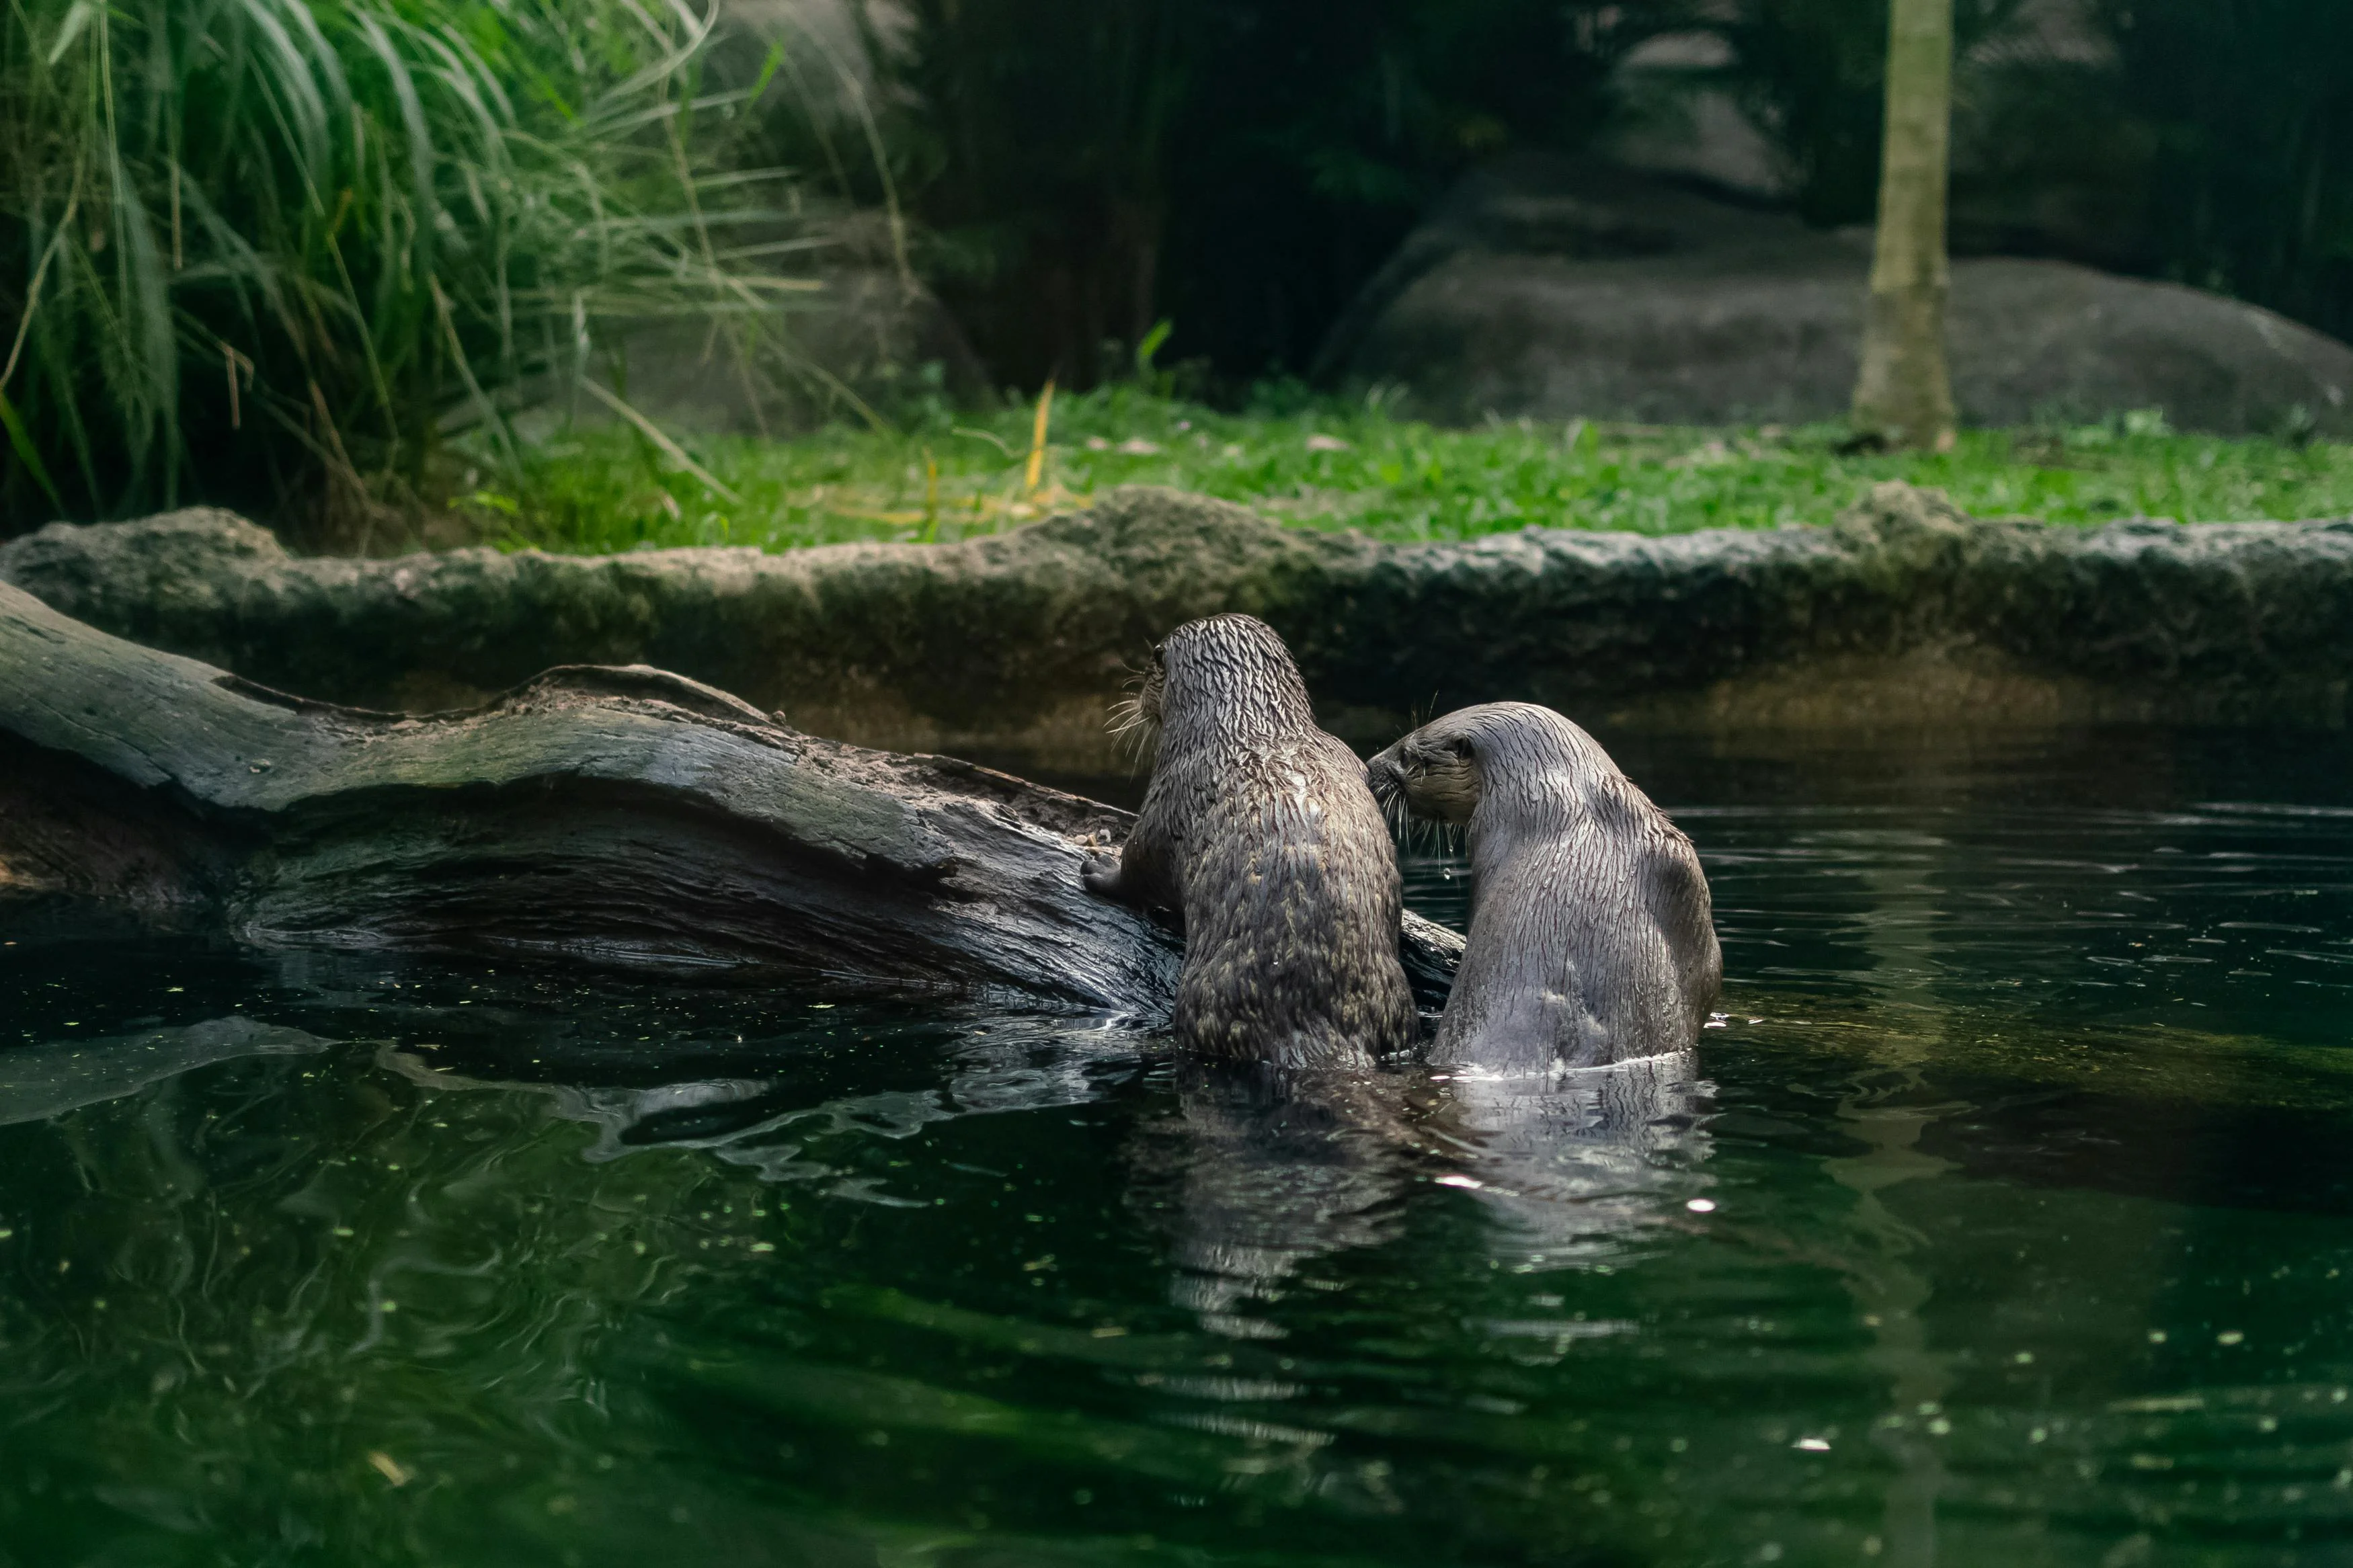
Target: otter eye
x,y
1462,750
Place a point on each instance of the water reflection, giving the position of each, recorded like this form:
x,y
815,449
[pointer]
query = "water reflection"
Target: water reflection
x,y
1249,1175
1252,1173
2031,1244
1563,1162
38,1082
767,1123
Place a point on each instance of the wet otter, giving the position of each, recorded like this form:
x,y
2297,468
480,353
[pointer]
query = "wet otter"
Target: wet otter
x,y
1591,938
1259,832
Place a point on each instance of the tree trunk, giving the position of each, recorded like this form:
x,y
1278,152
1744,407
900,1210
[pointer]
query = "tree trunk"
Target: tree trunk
x,y
1903,395
600,815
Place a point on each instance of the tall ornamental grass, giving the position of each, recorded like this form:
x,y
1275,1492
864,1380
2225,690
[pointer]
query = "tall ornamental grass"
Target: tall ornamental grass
x,y
270,252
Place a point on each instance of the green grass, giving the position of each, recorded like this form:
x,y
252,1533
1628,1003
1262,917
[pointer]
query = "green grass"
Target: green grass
x,y
1334,465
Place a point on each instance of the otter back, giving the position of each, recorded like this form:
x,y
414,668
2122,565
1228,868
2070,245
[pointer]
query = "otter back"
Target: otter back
x,y
1592,939
1258,830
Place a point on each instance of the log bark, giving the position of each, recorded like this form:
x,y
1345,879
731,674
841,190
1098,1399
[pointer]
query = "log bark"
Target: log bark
x,y
617,816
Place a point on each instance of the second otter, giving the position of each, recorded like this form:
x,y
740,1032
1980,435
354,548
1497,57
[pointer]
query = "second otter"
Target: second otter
x,y
1259,831
1591,936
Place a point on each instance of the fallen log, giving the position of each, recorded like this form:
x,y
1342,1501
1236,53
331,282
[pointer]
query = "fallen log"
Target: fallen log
x,y
618,817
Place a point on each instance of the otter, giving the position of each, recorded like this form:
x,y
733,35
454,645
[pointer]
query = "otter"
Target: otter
x,y
1260,834
1591,936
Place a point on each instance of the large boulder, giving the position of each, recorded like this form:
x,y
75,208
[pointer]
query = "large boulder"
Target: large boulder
x,y
1556,290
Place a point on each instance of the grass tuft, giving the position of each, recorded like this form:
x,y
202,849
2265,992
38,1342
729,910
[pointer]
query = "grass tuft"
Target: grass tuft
x,y
270,252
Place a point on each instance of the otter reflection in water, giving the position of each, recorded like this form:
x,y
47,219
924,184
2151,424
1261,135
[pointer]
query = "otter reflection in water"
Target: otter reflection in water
x,y
1249,1177
1254,1172
1254,1175
1591,937
1569,1158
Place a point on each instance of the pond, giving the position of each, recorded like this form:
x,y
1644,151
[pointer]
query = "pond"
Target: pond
x,y
2005,1216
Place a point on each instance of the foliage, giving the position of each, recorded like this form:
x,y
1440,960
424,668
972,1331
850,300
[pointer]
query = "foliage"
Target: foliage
x,y
2210,143
248,243
270,252
1812,76
2253,183
1325,464
1242,167
1088,167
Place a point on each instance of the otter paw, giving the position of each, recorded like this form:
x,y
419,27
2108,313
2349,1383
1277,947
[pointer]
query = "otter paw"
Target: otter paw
x,y
1100,875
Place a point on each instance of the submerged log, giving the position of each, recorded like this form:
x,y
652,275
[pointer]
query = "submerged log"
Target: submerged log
x,y
620,816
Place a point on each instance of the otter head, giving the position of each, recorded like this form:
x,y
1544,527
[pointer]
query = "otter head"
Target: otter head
x,y
1433,774
1514,760
1224,672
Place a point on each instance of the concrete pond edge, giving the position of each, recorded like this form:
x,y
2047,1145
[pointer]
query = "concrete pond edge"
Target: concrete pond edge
x,y
1907,612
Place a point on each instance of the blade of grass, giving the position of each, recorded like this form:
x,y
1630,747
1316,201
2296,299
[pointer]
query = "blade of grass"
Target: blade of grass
x,y
670,448
1035,470
21,441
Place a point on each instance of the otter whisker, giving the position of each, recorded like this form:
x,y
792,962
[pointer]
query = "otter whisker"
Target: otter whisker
x,y
1446,837
1399,816
1131,729
1134,718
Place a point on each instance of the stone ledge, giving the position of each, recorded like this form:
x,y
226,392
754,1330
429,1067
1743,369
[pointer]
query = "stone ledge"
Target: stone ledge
x,y
1907,611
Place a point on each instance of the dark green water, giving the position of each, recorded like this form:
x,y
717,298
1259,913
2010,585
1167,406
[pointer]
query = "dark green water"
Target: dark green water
x,y
2028,1133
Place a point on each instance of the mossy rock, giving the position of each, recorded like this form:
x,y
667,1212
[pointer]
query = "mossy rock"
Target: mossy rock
x,y
1907,610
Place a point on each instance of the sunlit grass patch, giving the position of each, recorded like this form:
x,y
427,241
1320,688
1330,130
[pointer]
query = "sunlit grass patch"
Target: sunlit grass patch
x,y
1333,465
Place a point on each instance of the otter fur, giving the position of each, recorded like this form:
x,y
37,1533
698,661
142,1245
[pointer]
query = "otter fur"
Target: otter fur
x,y
1591,938
1259,832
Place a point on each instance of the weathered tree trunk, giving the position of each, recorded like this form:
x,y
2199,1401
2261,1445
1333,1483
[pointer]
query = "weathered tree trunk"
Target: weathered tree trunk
x,y
618,817
1903,394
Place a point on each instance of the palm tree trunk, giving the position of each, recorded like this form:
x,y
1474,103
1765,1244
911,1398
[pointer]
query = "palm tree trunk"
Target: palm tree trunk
x,y
1903,396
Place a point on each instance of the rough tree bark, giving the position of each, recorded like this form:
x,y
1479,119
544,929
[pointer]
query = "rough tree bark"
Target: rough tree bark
x,y
1904,394
607,815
